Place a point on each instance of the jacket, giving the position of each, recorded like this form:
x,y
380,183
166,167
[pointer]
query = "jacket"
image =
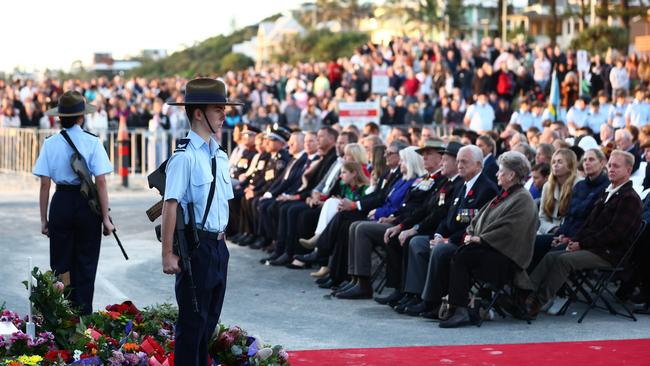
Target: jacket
x,y
609,229
585,194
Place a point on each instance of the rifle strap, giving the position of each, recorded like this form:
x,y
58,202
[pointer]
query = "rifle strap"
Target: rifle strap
x,y
211,193
67,138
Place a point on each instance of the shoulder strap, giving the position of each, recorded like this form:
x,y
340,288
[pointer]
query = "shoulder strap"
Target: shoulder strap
x,y
67,138
211,193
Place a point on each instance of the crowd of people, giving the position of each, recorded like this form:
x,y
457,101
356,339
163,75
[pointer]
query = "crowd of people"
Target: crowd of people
x,y
443,209
520,191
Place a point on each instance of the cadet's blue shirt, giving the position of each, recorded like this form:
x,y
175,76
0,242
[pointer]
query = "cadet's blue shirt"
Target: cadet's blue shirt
x,y
54,158
189,175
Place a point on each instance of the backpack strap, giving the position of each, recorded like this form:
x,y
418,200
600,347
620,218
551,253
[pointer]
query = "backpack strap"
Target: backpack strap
x,y
65,135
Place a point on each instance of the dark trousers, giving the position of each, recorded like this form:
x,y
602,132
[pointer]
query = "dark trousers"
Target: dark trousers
x,y
305,220
267,223
193,330
245,216
396,257
75,240
284,223
333,242
476,261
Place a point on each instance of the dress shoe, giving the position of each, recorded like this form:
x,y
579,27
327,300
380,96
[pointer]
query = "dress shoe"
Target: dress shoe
x,y
419,308
533,306
309,243
329,284
395,295
310,257
247,240
322,272
271,247
344,287
236,238
296,264
401,308
282,260
259,243
433,314
460,318
267,260
322,280
362,290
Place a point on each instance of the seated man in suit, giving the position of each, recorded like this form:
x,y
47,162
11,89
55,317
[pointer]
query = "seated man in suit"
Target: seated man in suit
x,y
601,241
409,241
477,190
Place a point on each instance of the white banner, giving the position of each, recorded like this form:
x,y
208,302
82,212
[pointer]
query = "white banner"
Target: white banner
x,y
380,81
359,113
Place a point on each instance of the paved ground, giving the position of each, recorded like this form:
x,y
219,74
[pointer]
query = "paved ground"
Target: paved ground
x,y
281,305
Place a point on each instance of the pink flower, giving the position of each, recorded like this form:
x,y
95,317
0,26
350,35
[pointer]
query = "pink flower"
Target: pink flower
x,y
59,286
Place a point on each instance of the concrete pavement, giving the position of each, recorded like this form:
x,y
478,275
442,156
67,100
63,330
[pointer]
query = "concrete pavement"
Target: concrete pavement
x,y
282,306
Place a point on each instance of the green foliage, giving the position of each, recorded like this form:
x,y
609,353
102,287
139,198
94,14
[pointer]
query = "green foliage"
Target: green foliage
x,y
236,62
322,45
600,38
50,304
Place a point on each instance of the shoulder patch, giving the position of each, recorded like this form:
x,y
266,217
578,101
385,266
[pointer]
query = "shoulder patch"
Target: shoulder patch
x,y
181,145
90,133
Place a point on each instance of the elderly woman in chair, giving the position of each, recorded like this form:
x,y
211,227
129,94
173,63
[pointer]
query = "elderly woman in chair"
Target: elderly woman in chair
x,y
499,240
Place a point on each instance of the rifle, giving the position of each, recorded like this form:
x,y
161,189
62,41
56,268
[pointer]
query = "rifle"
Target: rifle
x,y
182,232
88,188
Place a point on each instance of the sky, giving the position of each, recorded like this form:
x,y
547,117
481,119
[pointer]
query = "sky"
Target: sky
x,y
43,34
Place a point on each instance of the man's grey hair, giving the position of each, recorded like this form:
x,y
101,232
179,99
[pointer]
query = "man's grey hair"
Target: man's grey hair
x,y
398,145
475,152
517,163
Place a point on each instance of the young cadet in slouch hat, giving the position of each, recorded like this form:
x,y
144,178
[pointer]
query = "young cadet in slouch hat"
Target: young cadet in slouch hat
x,y
189,177
73,229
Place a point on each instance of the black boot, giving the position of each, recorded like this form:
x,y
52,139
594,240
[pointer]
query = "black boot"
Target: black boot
x,y
419,308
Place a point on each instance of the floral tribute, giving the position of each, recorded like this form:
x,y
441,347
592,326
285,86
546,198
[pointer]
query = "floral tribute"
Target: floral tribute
x,y
121,334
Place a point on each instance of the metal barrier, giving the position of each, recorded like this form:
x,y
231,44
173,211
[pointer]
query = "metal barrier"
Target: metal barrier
x,y
19,148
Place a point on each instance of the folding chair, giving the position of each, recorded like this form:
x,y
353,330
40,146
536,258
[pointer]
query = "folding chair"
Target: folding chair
x,y
489,296
599,281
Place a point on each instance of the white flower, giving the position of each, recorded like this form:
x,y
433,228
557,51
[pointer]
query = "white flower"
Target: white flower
x,y
264,353
77,355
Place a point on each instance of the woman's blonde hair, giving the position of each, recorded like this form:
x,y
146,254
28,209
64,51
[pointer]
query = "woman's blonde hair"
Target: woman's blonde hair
x,y
357,152
357,168
414,162
565,190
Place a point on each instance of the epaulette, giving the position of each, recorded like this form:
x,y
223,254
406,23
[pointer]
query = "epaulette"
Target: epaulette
x,y
181,145
90,133
223,148
47,137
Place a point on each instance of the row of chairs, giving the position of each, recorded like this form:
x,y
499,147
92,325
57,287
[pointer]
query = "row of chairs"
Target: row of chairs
x,y
597,288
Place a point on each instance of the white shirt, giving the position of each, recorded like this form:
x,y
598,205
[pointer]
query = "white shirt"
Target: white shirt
x,y
470,183
612,191
481,117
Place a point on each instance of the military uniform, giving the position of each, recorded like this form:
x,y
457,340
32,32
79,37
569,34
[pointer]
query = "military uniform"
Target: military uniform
x,y
74,230
189,176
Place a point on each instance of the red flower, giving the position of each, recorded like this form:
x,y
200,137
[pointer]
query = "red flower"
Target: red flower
x,y
57,355
470,193
443,191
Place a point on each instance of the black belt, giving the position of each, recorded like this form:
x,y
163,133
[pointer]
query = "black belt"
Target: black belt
x,y
67,187
211,235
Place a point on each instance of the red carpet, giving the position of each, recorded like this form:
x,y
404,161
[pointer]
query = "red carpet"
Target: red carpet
x,y
592,353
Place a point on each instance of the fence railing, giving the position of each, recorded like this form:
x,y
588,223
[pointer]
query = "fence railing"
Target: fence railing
x,y
19,147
